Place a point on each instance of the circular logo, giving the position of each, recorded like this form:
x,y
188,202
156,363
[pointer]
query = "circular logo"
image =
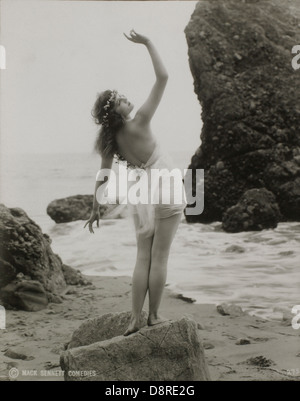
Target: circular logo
x,y
13,373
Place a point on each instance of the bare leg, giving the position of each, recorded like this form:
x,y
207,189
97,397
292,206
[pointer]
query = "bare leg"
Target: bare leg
x,y
140,281
164,233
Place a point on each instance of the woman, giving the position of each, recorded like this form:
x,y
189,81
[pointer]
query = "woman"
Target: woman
x,y
131,140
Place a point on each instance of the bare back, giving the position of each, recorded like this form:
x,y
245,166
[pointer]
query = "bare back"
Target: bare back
x,y
136,142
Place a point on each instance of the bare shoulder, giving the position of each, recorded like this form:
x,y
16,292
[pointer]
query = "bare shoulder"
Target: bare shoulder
x,y
139,128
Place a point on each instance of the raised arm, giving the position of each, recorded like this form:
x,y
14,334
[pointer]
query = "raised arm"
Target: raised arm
x,y
148,109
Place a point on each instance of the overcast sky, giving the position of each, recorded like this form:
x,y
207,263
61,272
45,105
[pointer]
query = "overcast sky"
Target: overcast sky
x,y
60,54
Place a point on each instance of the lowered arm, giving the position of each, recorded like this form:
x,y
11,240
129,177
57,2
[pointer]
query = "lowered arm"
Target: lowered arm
x,y
105,164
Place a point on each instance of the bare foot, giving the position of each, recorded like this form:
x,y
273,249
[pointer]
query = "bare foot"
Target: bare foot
x,y
155,319
133,327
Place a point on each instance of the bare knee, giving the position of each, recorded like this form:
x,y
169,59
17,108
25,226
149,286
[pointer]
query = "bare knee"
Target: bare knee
x,y
143,261
161,247
144,246
159,259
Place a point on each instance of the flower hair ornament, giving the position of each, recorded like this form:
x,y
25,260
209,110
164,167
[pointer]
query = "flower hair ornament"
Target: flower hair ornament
x,y
107,108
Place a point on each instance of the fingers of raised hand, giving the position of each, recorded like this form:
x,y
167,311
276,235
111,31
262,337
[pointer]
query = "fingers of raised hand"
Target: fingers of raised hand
x,y
133,36
127,37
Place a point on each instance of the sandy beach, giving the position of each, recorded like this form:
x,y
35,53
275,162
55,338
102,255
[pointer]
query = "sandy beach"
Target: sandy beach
x,y
272,351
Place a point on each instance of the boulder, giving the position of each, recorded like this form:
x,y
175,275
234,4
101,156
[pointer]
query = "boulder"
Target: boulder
x,y
240,58
230,310
73,277
168,351
26,254
72,208
257,209
25,295
77,207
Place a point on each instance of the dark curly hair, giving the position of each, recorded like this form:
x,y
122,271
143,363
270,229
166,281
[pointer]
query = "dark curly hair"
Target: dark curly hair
x,y
105,143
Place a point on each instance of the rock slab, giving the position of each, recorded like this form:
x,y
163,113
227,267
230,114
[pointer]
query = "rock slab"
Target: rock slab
x,y
168,351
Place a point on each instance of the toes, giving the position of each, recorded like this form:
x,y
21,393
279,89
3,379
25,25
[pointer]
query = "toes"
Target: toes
x,y
154,322
130,331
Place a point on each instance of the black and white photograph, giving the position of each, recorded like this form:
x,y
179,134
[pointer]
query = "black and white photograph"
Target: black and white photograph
x,y
149,193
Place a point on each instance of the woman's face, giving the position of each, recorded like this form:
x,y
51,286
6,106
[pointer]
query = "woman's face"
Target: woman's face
x,y
123,106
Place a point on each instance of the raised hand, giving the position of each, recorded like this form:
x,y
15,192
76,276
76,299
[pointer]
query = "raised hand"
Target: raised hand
x,y
137,38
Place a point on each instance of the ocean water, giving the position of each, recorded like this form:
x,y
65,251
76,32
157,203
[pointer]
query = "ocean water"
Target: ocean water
x,y
259,271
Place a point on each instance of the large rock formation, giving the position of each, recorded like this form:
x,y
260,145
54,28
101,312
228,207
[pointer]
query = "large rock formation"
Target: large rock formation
x,y
240,58
31,275
167,351
79,207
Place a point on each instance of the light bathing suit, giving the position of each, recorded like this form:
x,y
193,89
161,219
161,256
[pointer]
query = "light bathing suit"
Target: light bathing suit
x,y
174,202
